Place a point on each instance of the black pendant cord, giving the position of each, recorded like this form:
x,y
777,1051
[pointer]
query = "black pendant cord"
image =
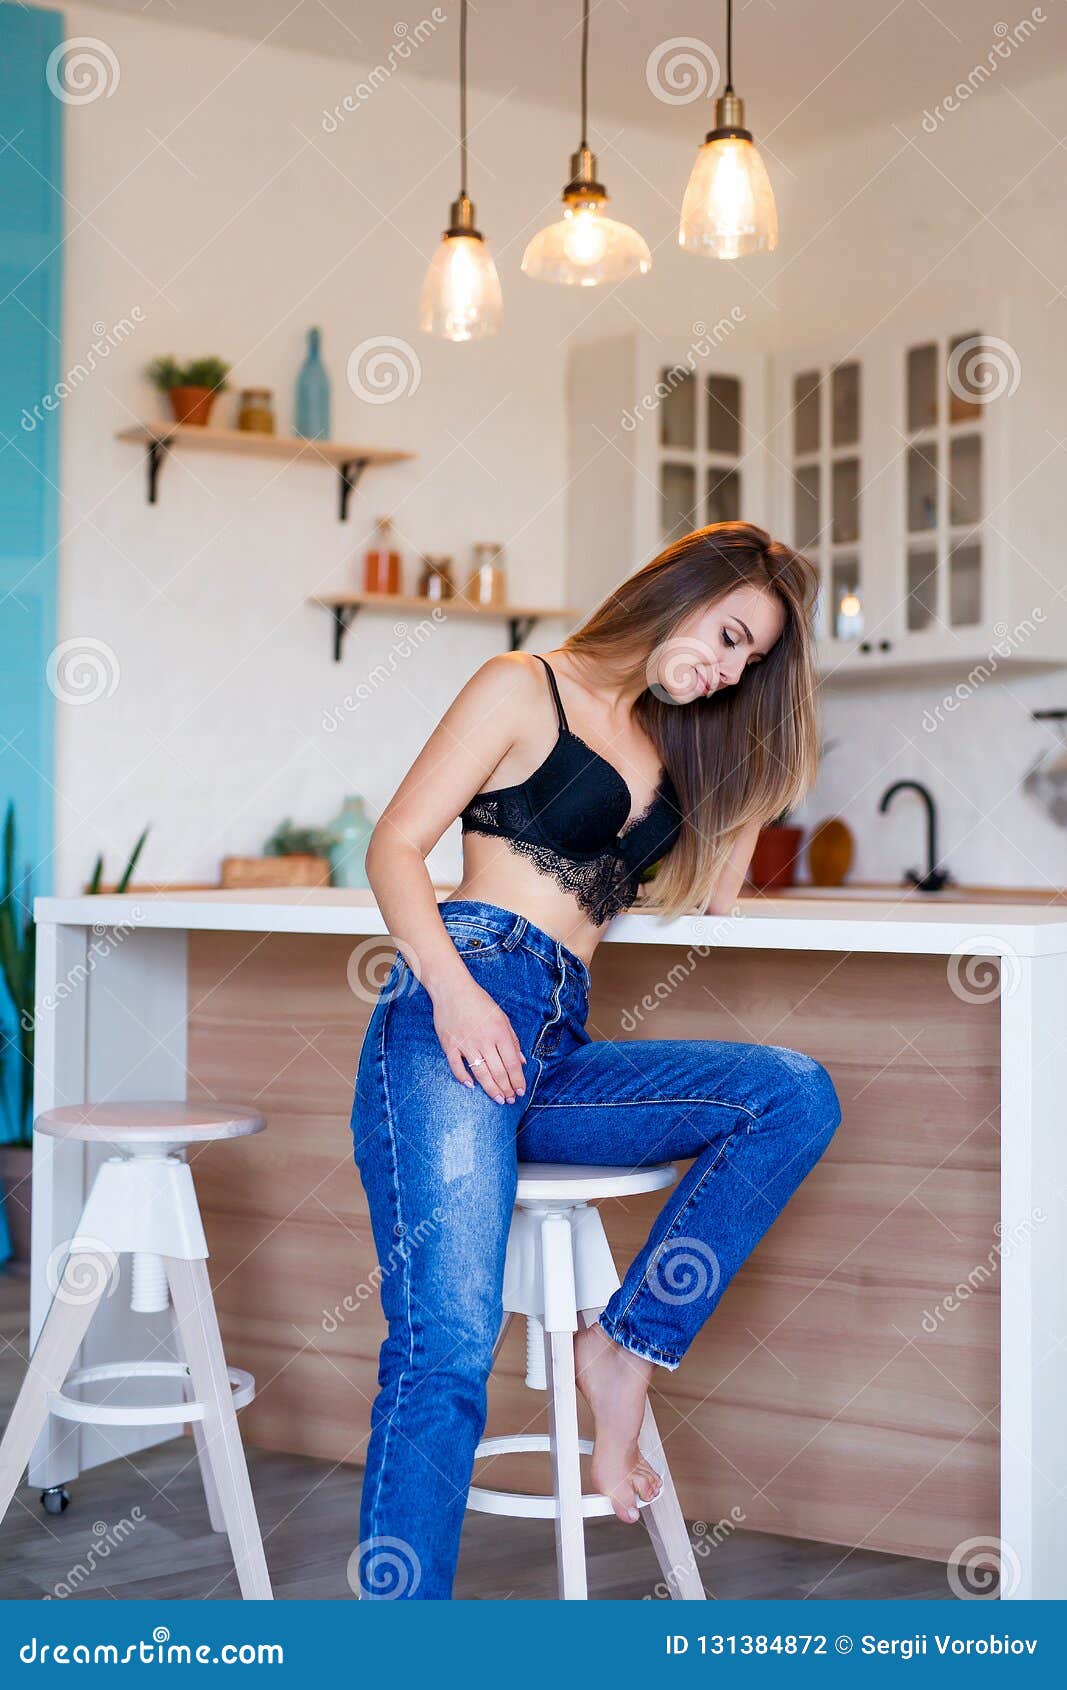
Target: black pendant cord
x,y
729,46
463,98
585,71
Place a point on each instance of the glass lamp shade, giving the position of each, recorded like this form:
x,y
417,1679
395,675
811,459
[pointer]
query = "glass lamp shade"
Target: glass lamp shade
x,y
729,209
586,248
461,294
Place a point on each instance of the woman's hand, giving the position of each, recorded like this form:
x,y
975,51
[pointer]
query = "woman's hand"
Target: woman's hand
x,y
472,1028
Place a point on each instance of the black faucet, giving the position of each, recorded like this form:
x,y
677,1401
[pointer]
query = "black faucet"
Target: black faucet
x,y
934,878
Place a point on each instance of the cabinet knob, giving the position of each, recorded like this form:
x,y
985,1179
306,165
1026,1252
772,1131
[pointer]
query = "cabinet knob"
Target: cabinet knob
x,y
865,645
883,645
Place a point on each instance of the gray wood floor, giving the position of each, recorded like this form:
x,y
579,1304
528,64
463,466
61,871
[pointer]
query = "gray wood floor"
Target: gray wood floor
x,y
309,1511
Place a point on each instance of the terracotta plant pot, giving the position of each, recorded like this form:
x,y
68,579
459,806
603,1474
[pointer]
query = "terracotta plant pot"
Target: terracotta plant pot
x,y
16,1160
775,858
192,405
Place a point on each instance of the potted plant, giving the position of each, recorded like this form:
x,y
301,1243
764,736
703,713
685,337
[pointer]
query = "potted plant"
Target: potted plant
x,y
96,878
17,959
292,856
774,860
190,387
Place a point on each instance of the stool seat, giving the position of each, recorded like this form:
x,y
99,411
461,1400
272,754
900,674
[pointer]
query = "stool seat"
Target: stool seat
x,y
577,1182
149,1123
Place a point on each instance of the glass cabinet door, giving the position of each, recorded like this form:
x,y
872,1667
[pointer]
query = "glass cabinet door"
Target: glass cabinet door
x,y
944,498
825,452
699,450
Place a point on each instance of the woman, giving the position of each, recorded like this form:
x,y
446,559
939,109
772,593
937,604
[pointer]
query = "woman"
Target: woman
x,y
667,730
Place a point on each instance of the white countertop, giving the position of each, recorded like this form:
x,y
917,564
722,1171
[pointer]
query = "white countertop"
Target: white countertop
x,y
905,925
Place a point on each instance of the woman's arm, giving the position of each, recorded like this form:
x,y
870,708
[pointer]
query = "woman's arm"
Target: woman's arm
x,y
732,875
474,734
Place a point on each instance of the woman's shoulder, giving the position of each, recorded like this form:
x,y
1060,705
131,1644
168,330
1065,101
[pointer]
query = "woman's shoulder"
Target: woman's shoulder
x,y
512,681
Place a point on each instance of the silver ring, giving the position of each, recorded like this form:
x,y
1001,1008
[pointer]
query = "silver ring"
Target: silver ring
x,y
475,1062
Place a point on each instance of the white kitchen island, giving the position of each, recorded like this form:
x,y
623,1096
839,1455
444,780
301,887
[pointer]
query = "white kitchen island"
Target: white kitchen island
x,y
181,994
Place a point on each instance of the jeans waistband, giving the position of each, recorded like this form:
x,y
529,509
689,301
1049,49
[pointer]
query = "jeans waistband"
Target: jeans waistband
x,y
516,930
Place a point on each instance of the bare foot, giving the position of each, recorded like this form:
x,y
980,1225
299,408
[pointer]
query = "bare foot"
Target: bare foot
x,y
614,1382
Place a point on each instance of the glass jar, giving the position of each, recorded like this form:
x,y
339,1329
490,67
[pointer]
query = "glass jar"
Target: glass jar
x,y
255,410
486,586
381,565
436,581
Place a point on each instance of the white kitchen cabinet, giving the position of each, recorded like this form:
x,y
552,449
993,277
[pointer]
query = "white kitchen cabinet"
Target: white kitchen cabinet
x,y
908,466
664,437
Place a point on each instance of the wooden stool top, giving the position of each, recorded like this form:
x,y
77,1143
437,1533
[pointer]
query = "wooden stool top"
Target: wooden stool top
x,y
584,1183
150,1123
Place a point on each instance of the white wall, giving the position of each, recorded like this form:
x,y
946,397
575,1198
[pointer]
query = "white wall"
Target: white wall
x,y
205,193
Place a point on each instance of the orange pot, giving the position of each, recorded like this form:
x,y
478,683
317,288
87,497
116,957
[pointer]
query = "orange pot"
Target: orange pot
x,y
192,405
774,860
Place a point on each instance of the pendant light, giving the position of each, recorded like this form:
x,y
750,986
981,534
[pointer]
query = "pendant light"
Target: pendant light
x,y
728,210
461,293
585,248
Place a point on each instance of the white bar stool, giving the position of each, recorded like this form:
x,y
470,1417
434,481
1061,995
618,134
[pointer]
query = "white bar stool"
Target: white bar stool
x,y
143,1202
559,1272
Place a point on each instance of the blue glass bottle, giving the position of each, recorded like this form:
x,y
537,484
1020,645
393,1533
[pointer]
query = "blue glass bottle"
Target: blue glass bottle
x,y
313,394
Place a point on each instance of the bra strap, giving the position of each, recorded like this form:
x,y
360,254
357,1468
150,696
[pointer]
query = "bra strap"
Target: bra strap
x,y
561,714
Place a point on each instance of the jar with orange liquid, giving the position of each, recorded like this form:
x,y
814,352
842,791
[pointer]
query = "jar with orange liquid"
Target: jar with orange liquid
x,y
381,565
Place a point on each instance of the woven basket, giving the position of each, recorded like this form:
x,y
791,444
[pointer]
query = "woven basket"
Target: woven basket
x,y
275,871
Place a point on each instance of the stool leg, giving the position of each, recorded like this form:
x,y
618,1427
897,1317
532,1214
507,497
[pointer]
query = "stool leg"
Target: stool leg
x,y
207,1477
560,1323
194,1308
666,1523
64,1328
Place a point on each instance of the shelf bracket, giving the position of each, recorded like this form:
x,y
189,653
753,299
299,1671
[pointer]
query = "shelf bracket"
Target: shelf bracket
x,y
519,627
343,617
155,452
350,471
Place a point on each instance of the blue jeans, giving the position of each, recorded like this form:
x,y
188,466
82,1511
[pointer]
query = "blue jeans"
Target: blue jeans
x,y
438,1162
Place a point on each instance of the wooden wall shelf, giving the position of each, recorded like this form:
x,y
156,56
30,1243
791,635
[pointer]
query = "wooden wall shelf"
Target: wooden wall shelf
x,y
158,439
521,618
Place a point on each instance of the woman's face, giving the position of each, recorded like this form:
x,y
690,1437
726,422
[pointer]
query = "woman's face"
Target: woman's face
x,y
713,647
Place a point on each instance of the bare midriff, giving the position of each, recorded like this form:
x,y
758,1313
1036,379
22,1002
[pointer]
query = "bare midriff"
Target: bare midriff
x,y
495,874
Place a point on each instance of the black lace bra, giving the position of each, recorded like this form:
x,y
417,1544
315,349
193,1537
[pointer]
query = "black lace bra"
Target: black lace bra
x,y
570,818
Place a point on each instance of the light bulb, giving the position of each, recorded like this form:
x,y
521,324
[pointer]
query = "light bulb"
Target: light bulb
x,y
585,248
461,294
728,209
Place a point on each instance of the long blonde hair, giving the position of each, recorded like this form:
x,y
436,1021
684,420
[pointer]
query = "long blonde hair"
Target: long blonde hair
x,y
745,753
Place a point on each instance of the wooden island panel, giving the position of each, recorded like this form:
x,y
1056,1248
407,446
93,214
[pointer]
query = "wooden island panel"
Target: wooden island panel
x,y
832,1394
